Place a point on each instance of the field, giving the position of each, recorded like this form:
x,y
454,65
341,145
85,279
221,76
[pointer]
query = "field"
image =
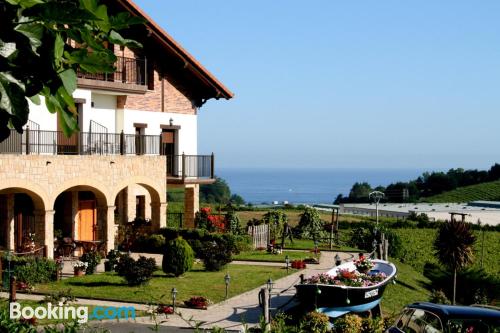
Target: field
x,y
266,256
417,245
485,191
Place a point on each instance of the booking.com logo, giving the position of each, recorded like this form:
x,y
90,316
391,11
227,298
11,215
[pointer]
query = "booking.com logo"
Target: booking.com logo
x,y
68,312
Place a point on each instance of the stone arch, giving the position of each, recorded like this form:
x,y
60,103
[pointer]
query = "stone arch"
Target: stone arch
x,y
36,192
158,194
96,187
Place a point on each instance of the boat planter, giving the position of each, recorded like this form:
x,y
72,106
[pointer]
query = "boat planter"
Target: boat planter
x,y
343,289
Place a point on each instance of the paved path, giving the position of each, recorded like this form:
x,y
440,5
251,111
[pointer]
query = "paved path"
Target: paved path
x,y
229,314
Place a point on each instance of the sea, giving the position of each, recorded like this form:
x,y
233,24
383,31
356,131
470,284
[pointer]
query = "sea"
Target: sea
x,y
306,186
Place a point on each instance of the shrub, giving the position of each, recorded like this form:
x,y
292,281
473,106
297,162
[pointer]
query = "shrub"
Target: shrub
x,y
372,325
178,257
310,225
149,244
348,324
276,220
135,272
205,220
233,222
92,259
362,238
439,297
112,260
36,270
216,255
315,322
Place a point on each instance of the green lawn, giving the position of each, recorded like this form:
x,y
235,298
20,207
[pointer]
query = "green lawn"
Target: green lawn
x,y
485,191
194,283
410,287
266,256
308,244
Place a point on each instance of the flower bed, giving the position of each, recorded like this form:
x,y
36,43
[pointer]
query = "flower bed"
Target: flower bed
x,y
198,302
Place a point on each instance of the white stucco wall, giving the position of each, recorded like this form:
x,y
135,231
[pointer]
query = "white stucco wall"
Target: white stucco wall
x,y
188,133
103,112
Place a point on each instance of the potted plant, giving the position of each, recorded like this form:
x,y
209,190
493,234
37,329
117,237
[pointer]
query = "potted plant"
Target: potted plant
x,y
79,267
363,264
112,260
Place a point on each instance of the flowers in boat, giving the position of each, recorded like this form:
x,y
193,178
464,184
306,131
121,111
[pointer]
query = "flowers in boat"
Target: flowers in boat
x,y
346,277
80,265
363,264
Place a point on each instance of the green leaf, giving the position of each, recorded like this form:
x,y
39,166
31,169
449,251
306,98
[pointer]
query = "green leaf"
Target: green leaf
x,y
7,49
69,79
34,32
96,62
35,99
116,38
25,3
13,100
58,48
66,99
68,122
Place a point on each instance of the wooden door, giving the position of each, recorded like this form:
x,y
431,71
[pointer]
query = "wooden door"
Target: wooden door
x,y
168,149
87,220
66,145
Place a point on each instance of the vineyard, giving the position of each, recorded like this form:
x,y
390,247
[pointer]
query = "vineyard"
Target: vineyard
x,y
417,248
485,191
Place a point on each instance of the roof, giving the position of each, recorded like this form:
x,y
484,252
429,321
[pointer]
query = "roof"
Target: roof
x,y
219,89
457,311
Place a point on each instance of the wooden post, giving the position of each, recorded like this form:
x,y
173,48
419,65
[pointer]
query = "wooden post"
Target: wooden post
x,y
265,308
386,250
45,251
12,289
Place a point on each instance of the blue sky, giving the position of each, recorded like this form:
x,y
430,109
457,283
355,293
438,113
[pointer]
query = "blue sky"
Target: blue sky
x,y
345,84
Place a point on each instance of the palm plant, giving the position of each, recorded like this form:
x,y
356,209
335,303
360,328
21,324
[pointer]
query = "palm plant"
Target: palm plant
x,y
453,246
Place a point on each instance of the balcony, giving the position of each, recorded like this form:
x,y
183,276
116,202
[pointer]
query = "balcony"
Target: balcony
x,y
130,77
181,169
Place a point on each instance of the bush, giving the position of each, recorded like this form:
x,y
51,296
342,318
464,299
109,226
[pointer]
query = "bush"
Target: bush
x,y
112,260
233,222
362,238
178,257
216,255
439,297
136,272
348,324
92,259
310,225
315,322
36,270
149,244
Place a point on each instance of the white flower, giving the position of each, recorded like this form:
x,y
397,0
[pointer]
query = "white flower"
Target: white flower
x,y
80,264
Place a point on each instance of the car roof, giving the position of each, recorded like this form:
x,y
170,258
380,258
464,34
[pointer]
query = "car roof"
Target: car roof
x,y
457,311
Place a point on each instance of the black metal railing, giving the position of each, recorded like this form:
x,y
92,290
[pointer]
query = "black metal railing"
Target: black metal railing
x,y
128,70
32,142
175,220
187,166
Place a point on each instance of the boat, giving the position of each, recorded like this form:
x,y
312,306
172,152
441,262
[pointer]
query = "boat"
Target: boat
x,y
345,288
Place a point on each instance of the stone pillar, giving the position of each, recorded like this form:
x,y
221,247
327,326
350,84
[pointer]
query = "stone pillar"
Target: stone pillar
x,y
11,240
48,235
191,204
158,215
110,229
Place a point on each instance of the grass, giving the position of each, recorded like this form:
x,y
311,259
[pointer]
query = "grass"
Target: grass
x,y
417,247
410,287
269,257
485,191
293,216
308,244
197,282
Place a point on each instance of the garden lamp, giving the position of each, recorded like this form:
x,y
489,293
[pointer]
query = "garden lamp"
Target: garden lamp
x,y
287,261
270,284
227,279
174,296
338,261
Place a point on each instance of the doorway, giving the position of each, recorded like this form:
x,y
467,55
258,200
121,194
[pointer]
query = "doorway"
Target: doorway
x,y
87,220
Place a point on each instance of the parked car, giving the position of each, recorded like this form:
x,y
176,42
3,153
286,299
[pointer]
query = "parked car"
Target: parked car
x,y
434,318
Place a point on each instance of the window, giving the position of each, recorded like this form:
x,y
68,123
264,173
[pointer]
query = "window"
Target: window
x,y
431,323
140,206
403,319
415,322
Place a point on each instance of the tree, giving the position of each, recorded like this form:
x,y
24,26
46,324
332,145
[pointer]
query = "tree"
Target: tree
x,y
237,200
310,224
359,192
217,192
453,247
42,45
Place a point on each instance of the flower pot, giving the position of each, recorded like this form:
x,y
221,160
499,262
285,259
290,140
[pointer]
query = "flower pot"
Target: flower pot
x,y
79,272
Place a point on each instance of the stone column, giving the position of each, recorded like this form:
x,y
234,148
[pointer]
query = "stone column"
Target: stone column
x,y
48,235
191,204
11,240
110,229
158,215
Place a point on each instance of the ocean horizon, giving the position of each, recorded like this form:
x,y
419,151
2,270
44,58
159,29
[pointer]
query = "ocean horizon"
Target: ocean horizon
x,y
308,185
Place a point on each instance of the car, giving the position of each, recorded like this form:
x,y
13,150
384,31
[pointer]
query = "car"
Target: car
x,y
424,317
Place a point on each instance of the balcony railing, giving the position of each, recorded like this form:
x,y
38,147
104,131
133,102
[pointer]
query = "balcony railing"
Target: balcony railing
x,y
180,168
128,71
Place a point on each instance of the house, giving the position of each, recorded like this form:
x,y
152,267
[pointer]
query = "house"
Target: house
x,y
137,139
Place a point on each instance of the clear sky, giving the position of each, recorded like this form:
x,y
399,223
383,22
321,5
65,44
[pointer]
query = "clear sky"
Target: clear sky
x,y
346,84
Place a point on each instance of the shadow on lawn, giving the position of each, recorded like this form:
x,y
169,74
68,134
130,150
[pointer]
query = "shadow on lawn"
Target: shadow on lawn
x,y
96,284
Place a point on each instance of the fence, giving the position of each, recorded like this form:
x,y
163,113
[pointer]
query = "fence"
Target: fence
x,y
260,235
